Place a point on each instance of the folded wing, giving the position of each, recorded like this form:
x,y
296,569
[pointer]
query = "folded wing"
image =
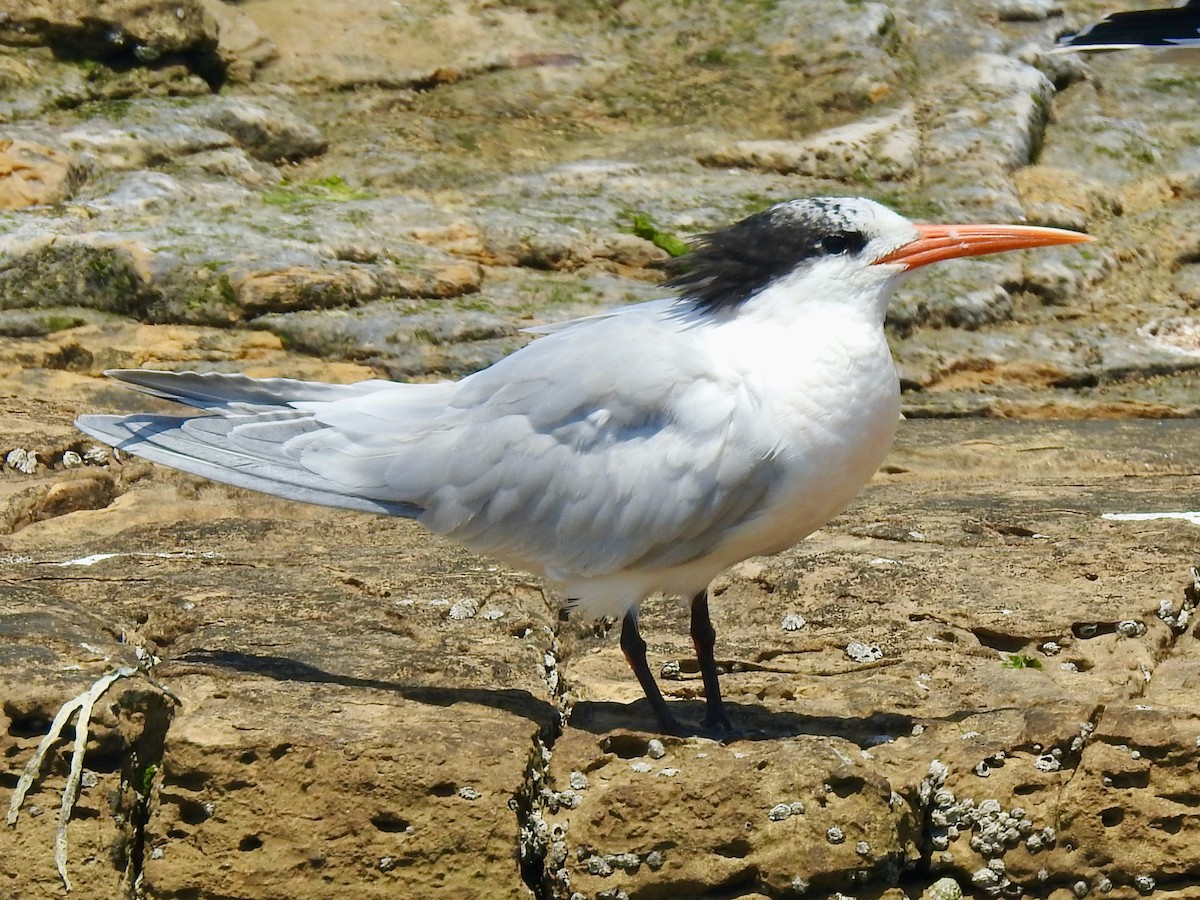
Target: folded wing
x,y
574,470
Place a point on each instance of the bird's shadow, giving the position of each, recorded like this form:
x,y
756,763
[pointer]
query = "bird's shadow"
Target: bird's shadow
x,y
752,721
510,700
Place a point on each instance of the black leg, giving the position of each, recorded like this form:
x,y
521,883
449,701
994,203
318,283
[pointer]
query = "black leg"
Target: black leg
x,y
635,653
704,637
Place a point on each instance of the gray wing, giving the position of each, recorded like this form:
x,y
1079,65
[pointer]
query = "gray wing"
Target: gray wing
x,y
246,443
615,443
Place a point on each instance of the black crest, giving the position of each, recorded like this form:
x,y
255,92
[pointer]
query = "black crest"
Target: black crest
x,y
726,267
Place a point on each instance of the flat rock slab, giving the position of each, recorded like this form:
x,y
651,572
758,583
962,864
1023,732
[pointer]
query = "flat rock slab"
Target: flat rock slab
x,y
369,709
307,676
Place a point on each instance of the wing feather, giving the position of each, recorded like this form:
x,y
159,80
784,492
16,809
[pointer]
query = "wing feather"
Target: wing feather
x,y
573,470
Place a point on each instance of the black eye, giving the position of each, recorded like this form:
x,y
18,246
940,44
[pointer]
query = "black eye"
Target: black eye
x,y
843,242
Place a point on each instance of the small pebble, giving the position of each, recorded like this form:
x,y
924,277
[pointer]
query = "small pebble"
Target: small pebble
x,y
863,653
779,812
24,461
1027,10
627,861
598,865
463,609
1047,762
565,799
1131,628
655,749
943,889
985,878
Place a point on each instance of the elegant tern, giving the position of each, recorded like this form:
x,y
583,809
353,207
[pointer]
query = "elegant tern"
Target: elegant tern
x,y
638,451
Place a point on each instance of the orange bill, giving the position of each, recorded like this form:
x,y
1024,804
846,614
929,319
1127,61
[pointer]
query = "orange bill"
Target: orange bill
x,y
935,243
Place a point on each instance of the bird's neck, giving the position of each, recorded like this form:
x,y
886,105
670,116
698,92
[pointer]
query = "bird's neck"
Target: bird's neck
x,y
825,305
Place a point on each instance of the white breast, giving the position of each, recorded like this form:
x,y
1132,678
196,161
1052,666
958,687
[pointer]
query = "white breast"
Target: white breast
x,y
825,397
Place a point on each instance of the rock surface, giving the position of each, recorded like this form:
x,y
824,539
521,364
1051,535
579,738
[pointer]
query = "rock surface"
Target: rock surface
x,y
978,679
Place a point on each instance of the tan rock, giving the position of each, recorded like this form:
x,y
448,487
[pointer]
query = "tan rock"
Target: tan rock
x,y
304,288
886,147
241,44
341,768
778,817
33,174
299,287
331,703
143,29
1062,198
427,42
83,490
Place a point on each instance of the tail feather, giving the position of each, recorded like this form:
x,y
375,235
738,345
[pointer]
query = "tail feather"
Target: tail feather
x,y
246,444
221,390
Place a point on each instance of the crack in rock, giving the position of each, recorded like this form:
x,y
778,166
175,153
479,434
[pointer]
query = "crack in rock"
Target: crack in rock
x,y
541,851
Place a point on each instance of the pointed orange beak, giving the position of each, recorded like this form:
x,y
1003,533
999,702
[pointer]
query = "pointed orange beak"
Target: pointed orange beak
x,y
938,242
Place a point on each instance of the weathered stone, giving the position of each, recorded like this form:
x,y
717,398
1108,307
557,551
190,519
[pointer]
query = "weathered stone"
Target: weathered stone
x,y
267,806
34,174
268,130
241,44
142,32
885,148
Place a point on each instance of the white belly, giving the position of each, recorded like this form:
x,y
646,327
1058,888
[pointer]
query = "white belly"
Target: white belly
x,y
835,414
